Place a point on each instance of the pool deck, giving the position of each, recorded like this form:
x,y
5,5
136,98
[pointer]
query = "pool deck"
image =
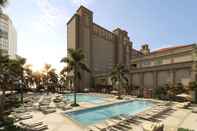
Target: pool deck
x,y
57,121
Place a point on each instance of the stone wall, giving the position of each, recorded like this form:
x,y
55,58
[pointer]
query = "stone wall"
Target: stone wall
x,y
103,54
156,78
136,79
163,77
148,80
182,75
71,33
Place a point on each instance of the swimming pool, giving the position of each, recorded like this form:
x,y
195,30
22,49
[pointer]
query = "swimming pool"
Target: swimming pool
x,y
86,98
101,113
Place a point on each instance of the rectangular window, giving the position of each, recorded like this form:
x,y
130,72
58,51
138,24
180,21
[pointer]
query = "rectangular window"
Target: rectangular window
x,y
146,63
158,62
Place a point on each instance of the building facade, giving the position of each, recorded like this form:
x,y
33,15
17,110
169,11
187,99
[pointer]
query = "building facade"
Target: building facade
x,y
8,36
103,48
164,66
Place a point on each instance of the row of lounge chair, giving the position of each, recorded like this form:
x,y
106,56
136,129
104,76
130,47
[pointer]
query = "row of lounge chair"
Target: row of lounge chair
x,y
35,126
44,105
21,116
61,103
154,113
124,122
183,105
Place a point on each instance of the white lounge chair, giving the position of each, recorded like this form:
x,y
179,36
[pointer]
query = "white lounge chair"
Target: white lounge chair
x,y
153,127
31,124
38,128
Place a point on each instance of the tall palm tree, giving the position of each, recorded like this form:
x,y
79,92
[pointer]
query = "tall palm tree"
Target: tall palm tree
x,y
53,80
38,80
28,76
46,70
17,69
4,73
118,75
75,63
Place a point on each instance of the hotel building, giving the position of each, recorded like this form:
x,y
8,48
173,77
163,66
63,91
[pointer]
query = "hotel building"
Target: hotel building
x,y
104,48
8,36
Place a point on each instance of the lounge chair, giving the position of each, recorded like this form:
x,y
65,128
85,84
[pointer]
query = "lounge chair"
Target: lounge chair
x,y
31,124
25,117
57,100
183,105
194,110
19,118
47,111
123,126
92,128
153,127
20,110
148,117
118,124
67,107
43,107
38,128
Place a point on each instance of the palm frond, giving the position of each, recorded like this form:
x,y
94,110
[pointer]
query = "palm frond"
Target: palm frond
x,y
3,3
84,67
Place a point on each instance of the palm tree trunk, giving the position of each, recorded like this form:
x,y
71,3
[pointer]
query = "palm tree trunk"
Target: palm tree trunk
x,y
21,93
75,91
2,103
119,90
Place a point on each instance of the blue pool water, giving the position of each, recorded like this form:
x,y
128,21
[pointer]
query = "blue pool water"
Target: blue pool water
x,y
86,98
98,114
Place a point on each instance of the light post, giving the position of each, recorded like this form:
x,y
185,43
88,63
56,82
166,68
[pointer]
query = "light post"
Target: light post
x,y
20,83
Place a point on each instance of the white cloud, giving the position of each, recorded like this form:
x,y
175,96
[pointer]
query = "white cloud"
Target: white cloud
x,y
50,16
41,31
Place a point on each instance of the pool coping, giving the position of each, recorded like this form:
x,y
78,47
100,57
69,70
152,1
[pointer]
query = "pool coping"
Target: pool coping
x,y
108,104
103,98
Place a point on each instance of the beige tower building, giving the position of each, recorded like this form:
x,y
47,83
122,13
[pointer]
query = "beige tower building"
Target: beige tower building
x,y
8,36
103,48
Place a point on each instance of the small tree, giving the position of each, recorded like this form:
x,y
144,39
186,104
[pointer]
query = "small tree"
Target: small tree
x,y
192,85
160,92
118,75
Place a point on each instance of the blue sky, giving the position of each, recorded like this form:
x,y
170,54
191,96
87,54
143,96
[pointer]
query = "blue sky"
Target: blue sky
x,y
41,24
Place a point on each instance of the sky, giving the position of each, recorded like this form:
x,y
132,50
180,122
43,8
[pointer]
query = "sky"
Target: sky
x,y
41,24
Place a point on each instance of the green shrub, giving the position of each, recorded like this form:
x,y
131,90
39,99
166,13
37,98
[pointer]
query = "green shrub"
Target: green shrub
x,y
193,85
159,92
184,129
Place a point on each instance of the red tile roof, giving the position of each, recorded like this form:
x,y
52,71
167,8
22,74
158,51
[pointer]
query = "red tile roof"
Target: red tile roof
x,y
170,48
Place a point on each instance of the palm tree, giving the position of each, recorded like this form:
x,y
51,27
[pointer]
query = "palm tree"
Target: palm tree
x,y
38,80
4,73
17,70
118,75
53,80
46,70
28,76
3,3
75,64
